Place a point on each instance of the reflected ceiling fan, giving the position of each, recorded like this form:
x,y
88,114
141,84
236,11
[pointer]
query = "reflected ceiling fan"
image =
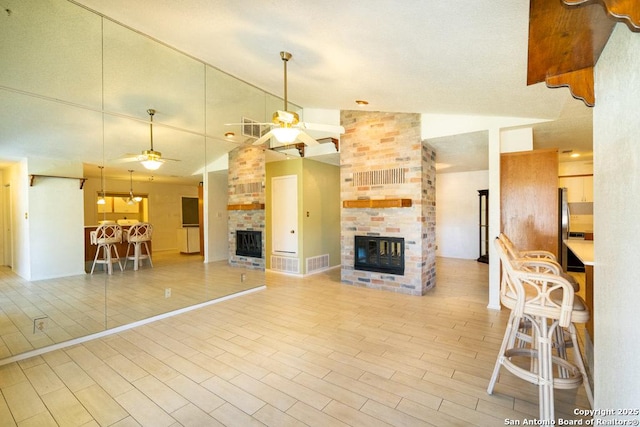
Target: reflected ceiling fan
x,y
286,126
150,159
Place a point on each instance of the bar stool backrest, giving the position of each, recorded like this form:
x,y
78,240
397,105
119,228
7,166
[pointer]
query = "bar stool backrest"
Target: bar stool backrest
x,y
106,234
140,232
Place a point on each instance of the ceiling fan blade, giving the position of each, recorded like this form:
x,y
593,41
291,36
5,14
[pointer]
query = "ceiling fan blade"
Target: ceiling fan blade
x,y
130,158
249,124
321,127
264,138
307,139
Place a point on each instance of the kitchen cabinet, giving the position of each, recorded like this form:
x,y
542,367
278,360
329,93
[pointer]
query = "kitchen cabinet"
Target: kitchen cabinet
x,y
189,240
579,188
529,199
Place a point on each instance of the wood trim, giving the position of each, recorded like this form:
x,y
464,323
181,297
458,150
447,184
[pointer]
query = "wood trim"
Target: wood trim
x,y
626,11
565,44
575,176
579,82
379,203
33,177
246,207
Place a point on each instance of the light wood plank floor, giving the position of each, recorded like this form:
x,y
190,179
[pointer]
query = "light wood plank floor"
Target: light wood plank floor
x,y
76,306
306,351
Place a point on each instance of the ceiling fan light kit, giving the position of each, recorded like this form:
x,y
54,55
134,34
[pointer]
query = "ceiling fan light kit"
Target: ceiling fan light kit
x,y
153,159
285,135
286,126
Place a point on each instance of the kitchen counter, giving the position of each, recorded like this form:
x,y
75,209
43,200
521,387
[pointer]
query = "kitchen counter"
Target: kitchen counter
x,y
583,249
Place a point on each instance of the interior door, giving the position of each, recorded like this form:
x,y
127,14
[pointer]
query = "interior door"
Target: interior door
x,y
7,252
284,214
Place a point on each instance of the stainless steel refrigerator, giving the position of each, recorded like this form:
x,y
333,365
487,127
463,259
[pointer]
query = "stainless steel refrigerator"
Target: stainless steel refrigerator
x,y
563,227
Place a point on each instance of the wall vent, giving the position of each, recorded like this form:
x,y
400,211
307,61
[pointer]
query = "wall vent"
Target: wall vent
x,y
248,188
317,263
253,128
285,264
379,177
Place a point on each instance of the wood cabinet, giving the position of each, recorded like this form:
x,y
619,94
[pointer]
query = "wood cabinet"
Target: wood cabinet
x,y
529,199
579,188
189,240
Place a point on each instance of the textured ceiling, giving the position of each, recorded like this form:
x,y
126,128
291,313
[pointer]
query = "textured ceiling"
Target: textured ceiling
x,y
417,56
454,57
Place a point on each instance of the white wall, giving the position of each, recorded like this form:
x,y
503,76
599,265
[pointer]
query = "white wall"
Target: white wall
x,y
218,217
457,218
616,125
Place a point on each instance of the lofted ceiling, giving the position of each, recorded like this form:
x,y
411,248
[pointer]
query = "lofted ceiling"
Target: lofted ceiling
x,y
455,57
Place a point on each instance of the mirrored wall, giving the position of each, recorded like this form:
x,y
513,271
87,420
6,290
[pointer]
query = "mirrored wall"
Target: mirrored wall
x,y
75,93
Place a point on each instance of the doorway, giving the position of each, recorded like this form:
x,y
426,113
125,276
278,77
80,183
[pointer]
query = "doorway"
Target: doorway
x,y
284,210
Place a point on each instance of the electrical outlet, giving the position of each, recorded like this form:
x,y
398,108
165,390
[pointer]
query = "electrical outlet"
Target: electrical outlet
x,y
40,324
167,292
243,277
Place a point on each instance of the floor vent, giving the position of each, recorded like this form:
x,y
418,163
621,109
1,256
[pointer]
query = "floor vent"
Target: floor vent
x,y
285,264
317,263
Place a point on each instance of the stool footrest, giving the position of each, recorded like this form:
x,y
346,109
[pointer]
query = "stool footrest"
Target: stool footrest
x,y
574,379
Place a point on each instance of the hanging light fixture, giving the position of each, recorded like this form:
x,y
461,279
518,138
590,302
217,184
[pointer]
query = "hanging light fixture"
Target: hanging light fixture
x,y
101,200
153,159
285,133
132,199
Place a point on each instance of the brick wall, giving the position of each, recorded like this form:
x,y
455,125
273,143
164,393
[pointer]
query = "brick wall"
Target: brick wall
x,y
382,157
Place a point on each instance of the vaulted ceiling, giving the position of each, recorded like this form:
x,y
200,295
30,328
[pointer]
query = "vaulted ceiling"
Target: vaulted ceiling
x,y
454,57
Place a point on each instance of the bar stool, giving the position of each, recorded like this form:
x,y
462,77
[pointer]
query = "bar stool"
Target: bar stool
x,y
137,236
105,237
540,255
546,302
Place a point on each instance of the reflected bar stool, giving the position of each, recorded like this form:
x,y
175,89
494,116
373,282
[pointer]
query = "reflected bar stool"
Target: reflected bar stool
x,y
137,236
105,237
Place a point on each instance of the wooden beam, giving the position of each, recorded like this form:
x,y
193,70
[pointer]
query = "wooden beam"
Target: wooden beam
x,y
246,207
378,203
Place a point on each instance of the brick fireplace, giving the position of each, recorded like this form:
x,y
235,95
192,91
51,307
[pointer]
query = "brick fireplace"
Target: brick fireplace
x,y
387,179
246,204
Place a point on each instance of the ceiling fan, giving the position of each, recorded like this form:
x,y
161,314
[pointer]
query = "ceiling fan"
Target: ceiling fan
x,y
150,159
286,126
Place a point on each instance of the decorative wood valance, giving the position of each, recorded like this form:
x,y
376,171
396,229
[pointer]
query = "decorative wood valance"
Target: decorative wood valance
x,y
626,11
32,179
246,207
567,37
378,203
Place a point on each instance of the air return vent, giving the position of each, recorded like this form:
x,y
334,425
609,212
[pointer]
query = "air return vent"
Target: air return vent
x,y
379,177
285,264
317,263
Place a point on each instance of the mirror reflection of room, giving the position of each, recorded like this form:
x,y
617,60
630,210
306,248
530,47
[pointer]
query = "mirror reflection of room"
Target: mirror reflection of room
x,y
68,145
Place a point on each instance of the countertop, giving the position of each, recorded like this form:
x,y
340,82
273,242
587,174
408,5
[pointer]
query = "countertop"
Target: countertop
x,y
583,249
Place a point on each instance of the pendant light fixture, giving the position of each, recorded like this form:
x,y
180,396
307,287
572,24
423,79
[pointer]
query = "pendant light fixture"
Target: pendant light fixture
x,y
132,199
101,200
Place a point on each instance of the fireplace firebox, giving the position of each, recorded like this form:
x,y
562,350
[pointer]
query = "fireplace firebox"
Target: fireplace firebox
x,y
249,243
379,254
